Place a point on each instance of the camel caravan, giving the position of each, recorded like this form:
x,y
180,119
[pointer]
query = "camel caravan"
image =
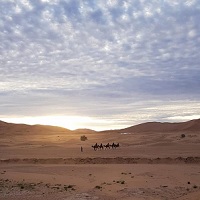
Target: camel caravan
x,y
107,146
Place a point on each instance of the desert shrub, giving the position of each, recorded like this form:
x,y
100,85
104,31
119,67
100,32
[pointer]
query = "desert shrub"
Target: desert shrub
x,y
66,187
182,135
83,138
121,182
22,187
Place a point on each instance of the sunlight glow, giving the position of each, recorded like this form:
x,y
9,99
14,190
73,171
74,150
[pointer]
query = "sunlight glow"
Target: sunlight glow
x,y
69,122
73,122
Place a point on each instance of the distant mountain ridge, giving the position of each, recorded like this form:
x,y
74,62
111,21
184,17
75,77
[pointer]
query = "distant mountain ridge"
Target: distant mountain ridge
x,y
188,126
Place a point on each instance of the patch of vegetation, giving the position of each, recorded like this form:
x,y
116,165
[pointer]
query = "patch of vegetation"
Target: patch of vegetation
x,y
67,187
47,185
195,186
182,135
56,187
83,138
70,186
21,187
164,186
121,182
98,187
26,186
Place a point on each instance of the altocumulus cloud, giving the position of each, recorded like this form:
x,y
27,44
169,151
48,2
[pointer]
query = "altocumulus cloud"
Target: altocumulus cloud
x,y
127,61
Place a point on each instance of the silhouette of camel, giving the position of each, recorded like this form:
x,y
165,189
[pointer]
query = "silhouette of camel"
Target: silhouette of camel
x,y
95,147
101,146
114,145
107,146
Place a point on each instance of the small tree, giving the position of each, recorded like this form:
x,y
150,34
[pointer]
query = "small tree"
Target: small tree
x,y
83,138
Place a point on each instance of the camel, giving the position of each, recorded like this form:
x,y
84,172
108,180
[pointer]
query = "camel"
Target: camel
x,y
107,146
95,146
114,145
101,146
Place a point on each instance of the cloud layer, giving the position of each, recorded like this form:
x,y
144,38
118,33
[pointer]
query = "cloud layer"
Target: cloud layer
x,y
96,58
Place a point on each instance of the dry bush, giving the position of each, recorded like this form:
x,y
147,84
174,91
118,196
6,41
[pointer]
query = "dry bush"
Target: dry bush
x,y
83,138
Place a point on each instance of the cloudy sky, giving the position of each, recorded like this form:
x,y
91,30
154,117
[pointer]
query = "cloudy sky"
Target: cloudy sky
x,y
99,64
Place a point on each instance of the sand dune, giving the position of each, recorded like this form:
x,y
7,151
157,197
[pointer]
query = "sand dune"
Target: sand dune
x,y
189,126
10,128
154,162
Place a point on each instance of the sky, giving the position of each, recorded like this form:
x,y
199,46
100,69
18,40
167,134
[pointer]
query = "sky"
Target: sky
x,y
99,64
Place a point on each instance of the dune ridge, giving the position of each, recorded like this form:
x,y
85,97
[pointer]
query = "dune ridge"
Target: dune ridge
x,y
12,128
188,126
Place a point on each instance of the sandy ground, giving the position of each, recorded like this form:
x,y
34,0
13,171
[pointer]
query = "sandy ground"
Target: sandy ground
x,y
62,145
100,181
150,166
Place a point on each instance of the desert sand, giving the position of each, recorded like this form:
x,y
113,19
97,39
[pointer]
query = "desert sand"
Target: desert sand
x,y
152,162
